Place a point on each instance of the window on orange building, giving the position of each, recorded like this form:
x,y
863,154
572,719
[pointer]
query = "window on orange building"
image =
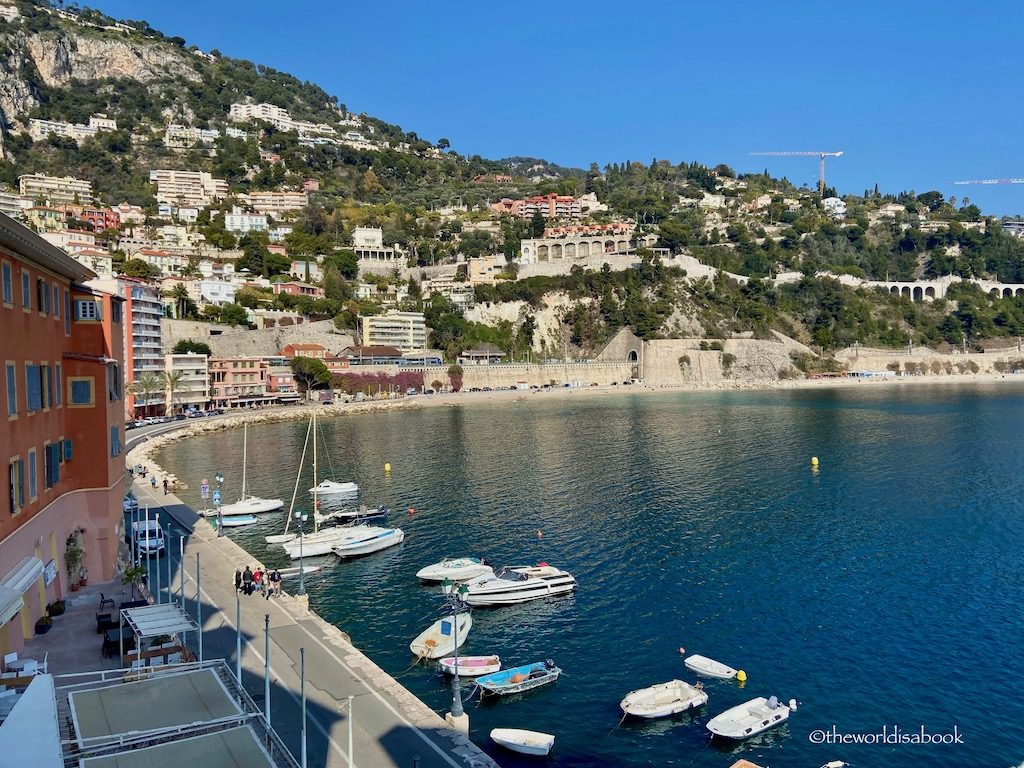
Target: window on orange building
x,y
26,290
33,485
12,389
16,485
8,281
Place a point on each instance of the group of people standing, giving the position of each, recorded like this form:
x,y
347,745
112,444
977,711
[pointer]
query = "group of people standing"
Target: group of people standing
x,y
267,584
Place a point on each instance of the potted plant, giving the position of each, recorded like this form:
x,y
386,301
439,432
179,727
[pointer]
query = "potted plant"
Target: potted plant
x,y
74,555
55,608
43,625
83,576
133,575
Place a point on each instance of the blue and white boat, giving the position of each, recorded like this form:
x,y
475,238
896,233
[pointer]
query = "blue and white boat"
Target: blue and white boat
x,y
364,539
519,679
236,521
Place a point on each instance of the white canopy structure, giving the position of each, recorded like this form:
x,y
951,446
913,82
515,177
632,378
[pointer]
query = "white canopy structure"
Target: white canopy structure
x,y
30,735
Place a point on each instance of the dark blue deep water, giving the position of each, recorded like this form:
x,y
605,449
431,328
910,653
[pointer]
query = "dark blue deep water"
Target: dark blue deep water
x,y
884,589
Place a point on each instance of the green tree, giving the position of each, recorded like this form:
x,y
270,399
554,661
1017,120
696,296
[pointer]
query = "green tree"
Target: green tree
x,y
234,314
172,382
189,346
455,374
334,285
310,373
143,386
141,269
537,224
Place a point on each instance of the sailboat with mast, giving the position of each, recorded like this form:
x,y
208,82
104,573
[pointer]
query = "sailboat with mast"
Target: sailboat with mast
x,y
324,540
248,505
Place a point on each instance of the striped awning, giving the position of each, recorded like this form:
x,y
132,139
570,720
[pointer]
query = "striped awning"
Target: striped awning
x,y
15,583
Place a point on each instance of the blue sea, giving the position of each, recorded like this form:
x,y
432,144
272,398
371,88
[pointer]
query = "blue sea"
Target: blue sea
x,y
883,589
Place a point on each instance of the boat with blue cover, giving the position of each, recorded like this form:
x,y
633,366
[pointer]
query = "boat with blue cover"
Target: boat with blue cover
x,y
519,679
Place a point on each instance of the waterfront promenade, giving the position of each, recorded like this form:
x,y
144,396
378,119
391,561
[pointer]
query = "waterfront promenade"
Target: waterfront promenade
x,y
391,727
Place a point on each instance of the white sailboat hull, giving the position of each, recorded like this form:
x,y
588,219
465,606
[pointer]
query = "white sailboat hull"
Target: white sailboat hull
x,y
321,542
281,538
373,542
332,488
432,644
522,741
250,506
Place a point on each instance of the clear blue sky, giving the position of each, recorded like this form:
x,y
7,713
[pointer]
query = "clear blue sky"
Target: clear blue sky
x,y
916,94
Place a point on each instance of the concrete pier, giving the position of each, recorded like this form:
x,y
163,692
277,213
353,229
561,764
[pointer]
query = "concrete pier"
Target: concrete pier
x,y
391,727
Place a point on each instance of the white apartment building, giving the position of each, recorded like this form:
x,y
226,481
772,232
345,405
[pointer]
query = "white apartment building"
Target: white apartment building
x,y
216,292
279,117
56,190
276,202
100,262
193,389
834,207
69,238
13,205
41,129
236,133
306,270
240,222
216,270
406,331
185,136
459,293
189,188
168,263
278,234
368,243
143,347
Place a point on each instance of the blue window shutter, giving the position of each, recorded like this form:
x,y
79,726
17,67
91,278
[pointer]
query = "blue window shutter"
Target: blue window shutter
x,y
58,388
35,395
68,450
49,386
21,484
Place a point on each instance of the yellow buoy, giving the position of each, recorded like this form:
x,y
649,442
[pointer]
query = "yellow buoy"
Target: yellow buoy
x,y
741,676
387,466
814,461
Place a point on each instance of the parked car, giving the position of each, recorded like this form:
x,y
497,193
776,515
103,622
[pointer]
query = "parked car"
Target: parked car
x,y
428,391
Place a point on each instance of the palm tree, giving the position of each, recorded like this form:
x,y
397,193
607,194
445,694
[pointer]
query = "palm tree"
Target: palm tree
x,y
172,382
144,386
181,297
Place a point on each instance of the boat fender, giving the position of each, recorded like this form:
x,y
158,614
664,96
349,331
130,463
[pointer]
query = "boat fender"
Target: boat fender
x,y
741,676
792,705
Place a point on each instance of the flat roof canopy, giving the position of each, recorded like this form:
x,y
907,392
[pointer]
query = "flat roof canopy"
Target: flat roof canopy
x,y
234,748
154,620
29,735
153,703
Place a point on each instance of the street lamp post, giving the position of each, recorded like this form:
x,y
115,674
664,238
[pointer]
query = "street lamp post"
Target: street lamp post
x,y
219,478
455,597
300,521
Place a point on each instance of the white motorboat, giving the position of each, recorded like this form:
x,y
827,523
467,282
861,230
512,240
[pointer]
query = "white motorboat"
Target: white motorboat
x,y
287,573
321,542
471,666
371,538
702,665
334,488
750,718
518,584
522,741
664,699
438,639
456,569
248,505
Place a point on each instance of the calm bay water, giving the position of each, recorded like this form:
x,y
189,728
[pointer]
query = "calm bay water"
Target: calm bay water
x,y
884,589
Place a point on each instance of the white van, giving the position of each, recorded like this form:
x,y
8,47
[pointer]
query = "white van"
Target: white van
x,y
149,537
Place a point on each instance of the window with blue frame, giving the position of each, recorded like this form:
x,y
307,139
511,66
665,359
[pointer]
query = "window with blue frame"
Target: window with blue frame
x,y
8,281
26,290
12,389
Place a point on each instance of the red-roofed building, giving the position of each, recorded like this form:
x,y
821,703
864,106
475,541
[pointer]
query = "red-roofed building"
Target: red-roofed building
x,y
101,218
318,351
296,288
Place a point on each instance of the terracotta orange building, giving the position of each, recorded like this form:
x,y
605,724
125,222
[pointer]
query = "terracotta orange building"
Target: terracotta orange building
x,y
61,348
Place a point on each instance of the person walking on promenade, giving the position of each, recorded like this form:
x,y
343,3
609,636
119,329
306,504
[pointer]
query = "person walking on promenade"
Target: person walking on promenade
x,y
257,580
165,486
238,579
152,482
275,582
247,581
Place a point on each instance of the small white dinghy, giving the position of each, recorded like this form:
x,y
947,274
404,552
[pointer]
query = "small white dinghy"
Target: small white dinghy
x,y
471,666
664,699
438,640
522,741
237,521
456,569
334,488
750,718
702,665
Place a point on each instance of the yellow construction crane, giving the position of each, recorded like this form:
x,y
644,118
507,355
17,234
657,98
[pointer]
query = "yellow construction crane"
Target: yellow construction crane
x,y
821,160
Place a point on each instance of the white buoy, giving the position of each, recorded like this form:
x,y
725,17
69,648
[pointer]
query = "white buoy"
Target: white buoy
x,y
792,705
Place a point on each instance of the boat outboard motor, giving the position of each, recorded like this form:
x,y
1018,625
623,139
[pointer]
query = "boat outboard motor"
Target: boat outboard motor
x,y
773,702
549,664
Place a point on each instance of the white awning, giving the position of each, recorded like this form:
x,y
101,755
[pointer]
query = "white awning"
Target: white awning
x,y
10,603
30,734
154,620
23,575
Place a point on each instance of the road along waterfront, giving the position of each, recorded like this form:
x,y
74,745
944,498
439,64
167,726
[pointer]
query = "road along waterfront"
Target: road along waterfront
x,y
391,726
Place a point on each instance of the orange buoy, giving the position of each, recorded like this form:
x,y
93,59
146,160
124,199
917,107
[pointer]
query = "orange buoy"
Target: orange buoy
x,y
540,534
682,651
412,511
